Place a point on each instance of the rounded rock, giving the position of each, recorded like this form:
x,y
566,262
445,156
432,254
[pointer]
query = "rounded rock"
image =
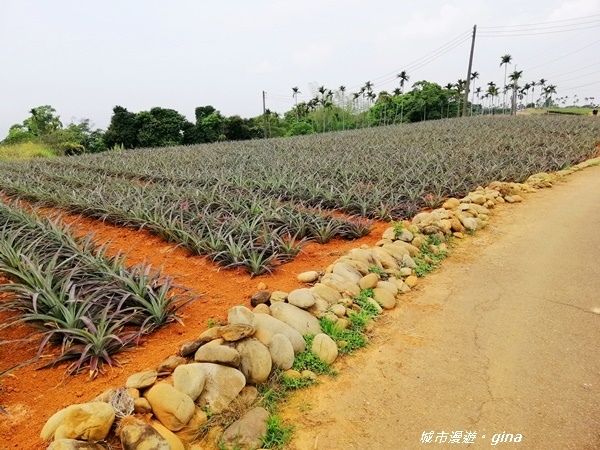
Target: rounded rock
x,y
171,407
282,352
308,277
325,348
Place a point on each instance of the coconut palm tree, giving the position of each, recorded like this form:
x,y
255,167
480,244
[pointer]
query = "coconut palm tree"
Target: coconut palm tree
x,y
505,60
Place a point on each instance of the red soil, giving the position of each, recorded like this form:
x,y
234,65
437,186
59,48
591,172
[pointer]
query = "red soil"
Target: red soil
x,y
30,395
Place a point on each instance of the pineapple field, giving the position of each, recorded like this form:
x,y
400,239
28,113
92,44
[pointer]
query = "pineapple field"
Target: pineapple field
x,y
83,237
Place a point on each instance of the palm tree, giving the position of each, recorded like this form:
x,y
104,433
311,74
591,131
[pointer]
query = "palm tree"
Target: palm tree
x,y
296,91
542,85
533,84
505,60
549,90
514,77
477,92
403,77
460,86
343,91
474,76
492,91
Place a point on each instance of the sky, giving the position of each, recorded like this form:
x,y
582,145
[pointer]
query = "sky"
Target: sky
x,y
85,57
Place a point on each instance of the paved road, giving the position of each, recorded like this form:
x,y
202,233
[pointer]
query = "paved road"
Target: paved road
x,y
503,339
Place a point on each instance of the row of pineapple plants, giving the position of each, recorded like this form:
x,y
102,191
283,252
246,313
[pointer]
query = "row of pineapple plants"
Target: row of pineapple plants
x,y
235,229
87,303
253,204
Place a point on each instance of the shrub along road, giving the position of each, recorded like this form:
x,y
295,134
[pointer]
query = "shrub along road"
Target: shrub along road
x,y
503,338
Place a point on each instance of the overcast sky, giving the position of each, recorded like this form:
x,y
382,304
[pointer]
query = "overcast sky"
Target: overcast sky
x,y
83,57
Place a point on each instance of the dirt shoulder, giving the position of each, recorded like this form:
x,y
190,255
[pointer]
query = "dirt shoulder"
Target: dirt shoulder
x,y
502,339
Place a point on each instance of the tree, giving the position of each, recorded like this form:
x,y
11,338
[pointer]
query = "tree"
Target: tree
x,y
474,76
296,91
403,77
17,134
492,92
548,91
160,127
342,93
505,60
542,85
43,121
514,77
123,129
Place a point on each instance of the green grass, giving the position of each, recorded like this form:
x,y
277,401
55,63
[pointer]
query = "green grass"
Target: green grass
x,y
379,271
308,360
573,110
348,340
364,304
26,150
278,434
427,261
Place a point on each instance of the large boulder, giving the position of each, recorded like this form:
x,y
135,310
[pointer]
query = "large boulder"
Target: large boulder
x,y
255,362
384,298
268,326
389,286
341,284
384,258
172,407
141,380
364,256
347,271
327,293
282,352
190,378
368,281
308,277
137,435
218,354
174,442
325,348
248,431
240,315
87,421
222,385
302,298
300,320
235,332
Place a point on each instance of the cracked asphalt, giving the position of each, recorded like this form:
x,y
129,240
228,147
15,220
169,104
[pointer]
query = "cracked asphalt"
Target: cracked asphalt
x,y
502,340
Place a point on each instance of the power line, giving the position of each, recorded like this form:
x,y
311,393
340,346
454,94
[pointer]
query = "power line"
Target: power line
x,y
575,70
543,28
580,76
578,87
533,33
541,23
463,36
564,56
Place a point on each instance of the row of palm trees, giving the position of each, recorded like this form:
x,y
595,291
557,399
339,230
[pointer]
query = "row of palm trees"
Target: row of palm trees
x,y
365,97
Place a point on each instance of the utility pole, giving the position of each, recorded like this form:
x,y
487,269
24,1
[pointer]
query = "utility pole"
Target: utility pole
x,y
264,114
467,86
